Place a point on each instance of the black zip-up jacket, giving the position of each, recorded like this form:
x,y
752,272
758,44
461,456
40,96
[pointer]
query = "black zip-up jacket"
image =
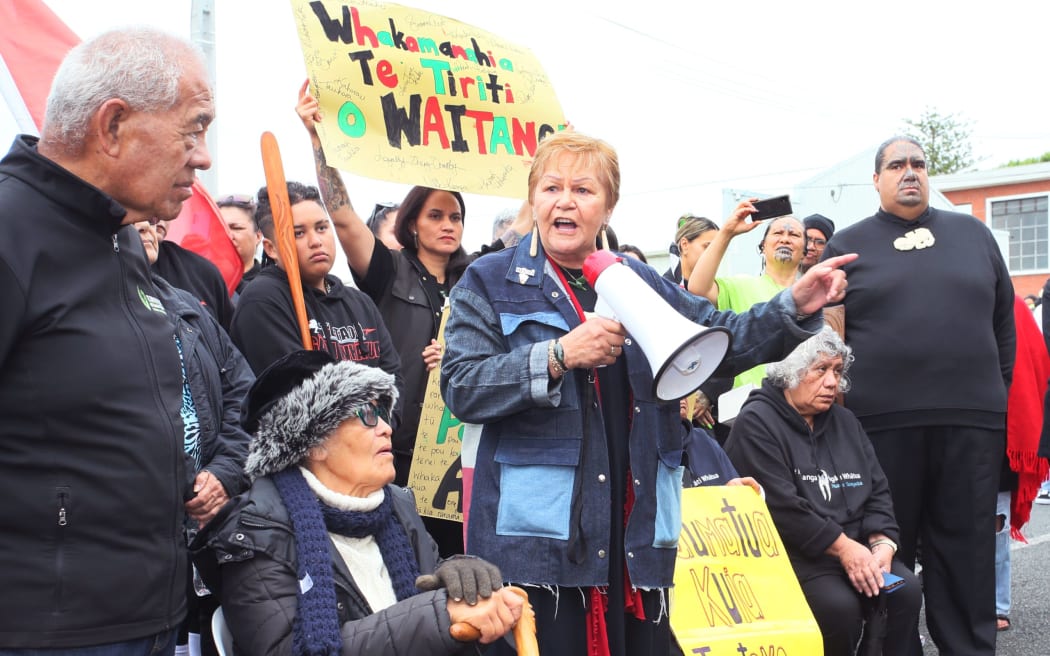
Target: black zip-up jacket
x,y
819,483
91,464
248,554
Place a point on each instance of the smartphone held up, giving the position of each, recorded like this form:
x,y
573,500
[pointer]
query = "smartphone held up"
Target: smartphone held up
x,y
771,208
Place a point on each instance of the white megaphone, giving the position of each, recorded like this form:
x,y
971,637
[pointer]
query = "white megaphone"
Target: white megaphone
x,y
683,354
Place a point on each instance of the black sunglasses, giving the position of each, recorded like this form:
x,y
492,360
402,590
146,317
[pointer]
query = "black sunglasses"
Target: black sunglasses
x,y
379,213
371,414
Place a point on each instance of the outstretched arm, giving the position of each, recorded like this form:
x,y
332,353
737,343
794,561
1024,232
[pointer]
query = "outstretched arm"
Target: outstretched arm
x,y
354,235
702,279
824,284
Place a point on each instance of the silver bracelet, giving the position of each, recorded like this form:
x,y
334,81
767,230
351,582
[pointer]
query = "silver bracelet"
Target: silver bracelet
x,y
886,541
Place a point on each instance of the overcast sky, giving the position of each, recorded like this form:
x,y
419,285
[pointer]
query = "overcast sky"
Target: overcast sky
x,y
694,96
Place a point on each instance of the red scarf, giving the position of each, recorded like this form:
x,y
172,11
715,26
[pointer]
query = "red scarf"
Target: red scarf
x,y
597,630
1024,416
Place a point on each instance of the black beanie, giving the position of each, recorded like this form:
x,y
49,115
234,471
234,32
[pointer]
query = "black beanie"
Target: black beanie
x,y
820,222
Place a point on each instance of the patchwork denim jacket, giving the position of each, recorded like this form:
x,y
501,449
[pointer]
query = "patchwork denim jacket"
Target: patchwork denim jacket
x,y
504,311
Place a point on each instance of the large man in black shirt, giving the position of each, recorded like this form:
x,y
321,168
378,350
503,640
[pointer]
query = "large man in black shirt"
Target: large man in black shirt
x,y
929,314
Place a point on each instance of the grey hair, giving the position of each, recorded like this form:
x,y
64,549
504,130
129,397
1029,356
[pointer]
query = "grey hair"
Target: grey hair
x,y
788,373
502,222
140,65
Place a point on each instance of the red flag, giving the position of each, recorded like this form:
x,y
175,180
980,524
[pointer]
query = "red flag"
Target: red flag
x,y
200,228
32,44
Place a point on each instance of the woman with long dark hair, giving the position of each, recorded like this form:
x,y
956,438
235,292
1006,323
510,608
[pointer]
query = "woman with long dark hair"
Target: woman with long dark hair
x,y
409,286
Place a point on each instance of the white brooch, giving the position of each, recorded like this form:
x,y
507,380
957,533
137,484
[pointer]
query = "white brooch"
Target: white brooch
x,y
915,240
524,274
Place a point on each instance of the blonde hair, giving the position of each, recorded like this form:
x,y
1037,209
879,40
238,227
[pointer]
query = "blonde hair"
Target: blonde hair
x,y
690,227
594,152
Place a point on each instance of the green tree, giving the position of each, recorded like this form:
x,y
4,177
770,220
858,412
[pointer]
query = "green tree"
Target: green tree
x,y
946,140
1045,157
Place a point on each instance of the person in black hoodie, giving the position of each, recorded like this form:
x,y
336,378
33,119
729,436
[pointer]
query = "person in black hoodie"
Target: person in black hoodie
x,y
343,321
828,496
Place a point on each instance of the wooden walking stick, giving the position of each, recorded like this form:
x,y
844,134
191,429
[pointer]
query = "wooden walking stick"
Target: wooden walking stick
x,y
284,231
524,630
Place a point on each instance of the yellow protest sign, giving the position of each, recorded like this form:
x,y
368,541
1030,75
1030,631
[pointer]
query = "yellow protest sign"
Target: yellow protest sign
x,y
411,96
735,592
436,473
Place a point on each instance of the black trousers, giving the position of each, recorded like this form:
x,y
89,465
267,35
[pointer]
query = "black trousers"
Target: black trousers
x,y
944,481
841,611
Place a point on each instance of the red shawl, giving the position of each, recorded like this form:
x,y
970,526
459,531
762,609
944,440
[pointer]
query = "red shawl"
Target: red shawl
x,y
1024,416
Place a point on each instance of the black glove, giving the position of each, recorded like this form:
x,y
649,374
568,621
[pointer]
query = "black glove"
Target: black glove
x,y
465,577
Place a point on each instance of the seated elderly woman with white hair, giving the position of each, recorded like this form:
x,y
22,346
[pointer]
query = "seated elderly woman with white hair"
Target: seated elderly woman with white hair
x,y
829,499
321,556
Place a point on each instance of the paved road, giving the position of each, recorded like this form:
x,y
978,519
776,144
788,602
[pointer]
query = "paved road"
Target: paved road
x,y
1030,635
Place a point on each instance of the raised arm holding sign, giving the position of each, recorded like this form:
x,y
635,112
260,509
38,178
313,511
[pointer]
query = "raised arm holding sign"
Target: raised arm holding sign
x,y
412,96
409,286
405,95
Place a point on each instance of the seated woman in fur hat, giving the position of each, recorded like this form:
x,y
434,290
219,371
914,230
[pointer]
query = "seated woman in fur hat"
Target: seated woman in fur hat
x,y
322,554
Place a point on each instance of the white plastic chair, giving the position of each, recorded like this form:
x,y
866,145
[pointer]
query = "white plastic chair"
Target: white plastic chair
x,y
220,633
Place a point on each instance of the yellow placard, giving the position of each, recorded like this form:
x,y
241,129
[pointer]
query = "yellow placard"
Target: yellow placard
x,y
735,592
436,474
411,96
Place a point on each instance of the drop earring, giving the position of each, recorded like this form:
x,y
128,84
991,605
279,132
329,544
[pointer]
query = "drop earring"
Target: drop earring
x,y
605,238
533,248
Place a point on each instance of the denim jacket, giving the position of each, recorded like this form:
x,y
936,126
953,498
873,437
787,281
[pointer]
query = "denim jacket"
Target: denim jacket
x,y
505,310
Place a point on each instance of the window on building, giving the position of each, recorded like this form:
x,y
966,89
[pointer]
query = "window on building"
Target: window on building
x,y
1026,220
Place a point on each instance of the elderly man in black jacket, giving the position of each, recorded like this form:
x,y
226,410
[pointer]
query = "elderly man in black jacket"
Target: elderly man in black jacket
x,y
91,464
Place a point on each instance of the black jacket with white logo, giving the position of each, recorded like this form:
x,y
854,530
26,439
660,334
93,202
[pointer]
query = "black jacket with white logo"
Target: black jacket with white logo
x,y
91,461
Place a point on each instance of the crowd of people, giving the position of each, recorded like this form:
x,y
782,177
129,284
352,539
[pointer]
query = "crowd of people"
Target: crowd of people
x,y
196,462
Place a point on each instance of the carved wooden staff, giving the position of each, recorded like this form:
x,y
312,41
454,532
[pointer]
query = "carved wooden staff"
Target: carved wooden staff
x,y
524,630
284,230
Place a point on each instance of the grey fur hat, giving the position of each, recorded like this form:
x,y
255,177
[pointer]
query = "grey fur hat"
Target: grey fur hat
x,y
299,401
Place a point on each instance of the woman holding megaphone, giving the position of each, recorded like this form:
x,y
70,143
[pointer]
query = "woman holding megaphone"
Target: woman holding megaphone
x,y
576,481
